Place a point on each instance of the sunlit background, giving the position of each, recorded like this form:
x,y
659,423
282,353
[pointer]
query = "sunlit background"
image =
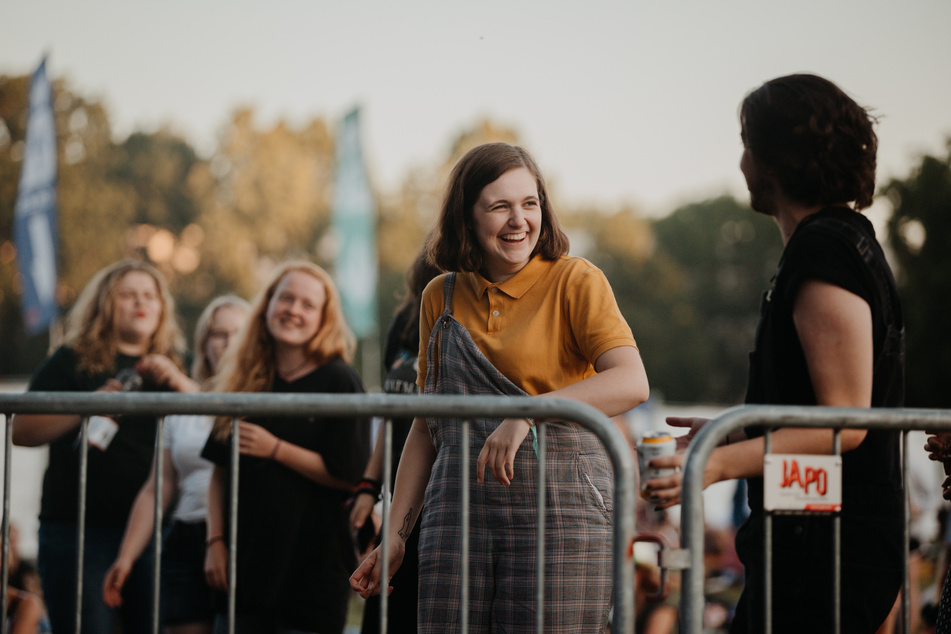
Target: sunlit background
x,y
200,136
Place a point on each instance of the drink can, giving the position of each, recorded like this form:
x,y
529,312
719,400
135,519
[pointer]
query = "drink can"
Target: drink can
x,y
654,444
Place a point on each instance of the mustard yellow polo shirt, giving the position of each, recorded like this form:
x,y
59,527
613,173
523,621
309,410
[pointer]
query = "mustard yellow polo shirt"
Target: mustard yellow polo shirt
x,y
543,328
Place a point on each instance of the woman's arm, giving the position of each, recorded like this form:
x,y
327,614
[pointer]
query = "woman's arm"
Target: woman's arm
x,y
33,430
216,544
139,529
412,476
835,331
363,503
619,385
162,371
259,442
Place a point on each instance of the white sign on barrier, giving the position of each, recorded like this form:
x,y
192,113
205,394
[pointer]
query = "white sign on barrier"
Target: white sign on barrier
x,y
802,483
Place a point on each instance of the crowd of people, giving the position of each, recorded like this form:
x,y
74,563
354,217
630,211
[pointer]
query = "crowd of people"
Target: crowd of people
x,y
495,305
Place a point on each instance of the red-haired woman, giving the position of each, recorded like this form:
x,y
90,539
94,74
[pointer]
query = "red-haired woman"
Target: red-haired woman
x,y
294,548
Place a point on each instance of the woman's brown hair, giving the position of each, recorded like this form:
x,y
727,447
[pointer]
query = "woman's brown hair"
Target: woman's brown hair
x,y
91,328
453,245
818,141
248,365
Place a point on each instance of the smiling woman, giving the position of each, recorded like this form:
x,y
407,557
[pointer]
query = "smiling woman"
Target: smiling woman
x,y
507,220
295,472
123,320
515,316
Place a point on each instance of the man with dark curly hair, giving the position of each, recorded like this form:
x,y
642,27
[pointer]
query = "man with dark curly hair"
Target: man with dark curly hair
x,y
831,333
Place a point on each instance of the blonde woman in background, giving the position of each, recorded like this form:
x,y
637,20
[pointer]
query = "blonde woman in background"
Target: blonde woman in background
x,y
186,599
123,320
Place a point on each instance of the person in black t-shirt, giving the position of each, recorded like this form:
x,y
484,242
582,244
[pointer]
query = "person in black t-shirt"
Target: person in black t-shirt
x,y
294,552
124,319
400,360
831,333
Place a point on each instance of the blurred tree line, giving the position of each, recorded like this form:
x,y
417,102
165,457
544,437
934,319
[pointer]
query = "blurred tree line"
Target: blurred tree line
x,y
689,283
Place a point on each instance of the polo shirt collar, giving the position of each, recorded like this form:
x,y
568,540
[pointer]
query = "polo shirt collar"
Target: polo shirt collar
x,y
515,286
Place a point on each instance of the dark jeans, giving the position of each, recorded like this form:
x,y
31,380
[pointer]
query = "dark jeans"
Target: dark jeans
x,y
57,568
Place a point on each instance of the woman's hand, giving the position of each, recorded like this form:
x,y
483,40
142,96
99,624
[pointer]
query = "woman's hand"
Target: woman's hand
x,y
498,453
938,446
216,565
694,424
254,440
365,580
161,370
665,491
114,581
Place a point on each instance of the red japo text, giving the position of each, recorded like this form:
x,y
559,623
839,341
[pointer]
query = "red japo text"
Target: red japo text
x,y
808,477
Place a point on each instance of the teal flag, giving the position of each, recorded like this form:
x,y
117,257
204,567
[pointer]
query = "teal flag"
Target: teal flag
x,y
354,220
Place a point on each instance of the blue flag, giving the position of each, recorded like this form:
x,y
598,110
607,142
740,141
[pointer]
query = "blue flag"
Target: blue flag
x,y
354,220
35,211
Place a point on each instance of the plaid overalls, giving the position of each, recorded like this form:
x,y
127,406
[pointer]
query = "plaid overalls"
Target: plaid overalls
x,y
578,520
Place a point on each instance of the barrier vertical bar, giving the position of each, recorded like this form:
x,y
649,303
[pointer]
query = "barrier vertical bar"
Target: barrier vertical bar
x,y
906,578
387,484
540,530
81,519
837,544
464,599
233,525
768,543
157,519
5,564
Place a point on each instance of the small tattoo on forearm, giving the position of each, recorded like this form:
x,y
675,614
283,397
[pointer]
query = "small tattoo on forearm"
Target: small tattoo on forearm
x,y
406,528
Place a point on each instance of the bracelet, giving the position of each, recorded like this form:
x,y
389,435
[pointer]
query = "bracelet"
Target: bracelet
x,y
531,422
376,484
368,489
274,451
212,540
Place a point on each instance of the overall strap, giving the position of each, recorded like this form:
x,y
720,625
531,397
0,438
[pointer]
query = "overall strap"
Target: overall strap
x,y
449,284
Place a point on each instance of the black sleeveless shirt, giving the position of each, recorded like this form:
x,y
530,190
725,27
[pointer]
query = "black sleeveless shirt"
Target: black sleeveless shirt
x,y
838,246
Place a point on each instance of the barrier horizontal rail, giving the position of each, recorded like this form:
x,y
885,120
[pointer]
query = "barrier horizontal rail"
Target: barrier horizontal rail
x,y
347,405
771,417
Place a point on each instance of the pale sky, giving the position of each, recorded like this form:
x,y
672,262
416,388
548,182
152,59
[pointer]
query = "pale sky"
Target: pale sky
x,y
622,102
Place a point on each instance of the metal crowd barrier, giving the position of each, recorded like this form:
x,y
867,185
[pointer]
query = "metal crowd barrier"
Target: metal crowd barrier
x,y
349,405
772,418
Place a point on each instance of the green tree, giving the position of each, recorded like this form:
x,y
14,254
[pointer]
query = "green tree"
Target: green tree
x,y
652,292
92,210
727,255
919,233
156,167
264,197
